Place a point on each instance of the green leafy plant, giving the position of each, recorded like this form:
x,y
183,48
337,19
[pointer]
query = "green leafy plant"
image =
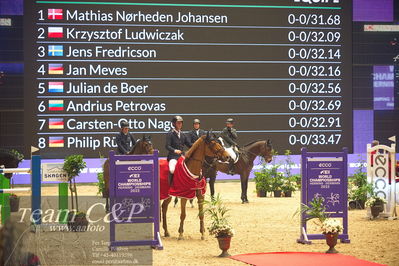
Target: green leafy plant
x,y
288,164
17,154
277,181
358,188
298,180
100,178
263,180
218,214
289,184
100,183
73,165
375,201
316,209
268,177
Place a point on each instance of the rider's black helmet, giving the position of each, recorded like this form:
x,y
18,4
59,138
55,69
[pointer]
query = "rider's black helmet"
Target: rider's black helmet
x,y
177,118
124,124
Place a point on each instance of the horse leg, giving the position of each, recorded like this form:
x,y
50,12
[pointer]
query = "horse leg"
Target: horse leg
x,y
165,205
175,202
183,202
200,198
212,185
244,187
191,202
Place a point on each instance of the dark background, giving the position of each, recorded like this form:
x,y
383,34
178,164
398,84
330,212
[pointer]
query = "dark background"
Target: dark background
x,y
369,49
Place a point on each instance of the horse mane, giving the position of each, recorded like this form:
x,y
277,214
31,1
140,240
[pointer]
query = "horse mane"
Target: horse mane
x,y
193,148
252,142
134,146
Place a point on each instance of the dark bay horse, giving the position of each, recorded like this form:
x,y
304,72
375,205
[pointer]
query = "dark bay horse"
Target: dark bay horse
x,y
9,159
205,146
142,146
242,167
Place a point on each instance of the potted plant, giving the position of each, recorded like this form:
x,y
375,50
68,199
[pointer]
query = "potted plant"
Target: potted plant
x,y
100,184
14,199
376,205
331,228
16,158
14,203
262,182
298,180
277,184
358,188
316,209
289,185
73,165
77,221
220,226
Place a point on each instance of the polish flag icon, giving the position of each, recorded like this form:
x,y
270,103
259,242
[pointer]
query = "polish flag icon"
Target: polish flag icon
x,y
55,32
54,13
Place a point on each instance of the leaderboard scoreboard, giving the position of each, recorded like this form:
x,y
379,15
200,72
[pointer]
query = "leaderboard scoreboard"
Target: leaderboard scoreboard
x,y
281,68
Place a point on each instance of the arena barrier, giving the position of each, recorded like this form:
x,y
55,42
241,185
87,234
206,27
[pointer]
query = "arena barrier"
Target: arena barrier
x,y
35,190
325,174
381,172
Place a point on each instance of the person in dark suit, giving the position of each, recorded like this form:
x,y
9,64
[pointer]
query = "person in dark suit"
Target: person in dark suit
x,y
229,139
124,139
196,132
175,142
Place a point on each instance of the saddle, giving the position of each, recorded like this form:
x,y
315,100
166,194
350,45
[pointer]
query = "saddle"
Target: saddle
x,y
233,151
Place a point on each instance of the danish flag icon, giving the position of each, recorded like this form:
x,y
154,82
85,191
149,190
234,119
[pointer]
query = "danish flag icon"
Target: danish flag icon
x,y
54,13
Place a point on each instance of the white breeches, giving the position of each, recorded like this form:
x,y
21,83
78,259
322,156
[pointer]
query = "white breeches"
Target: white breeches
x,y
231,152
172,165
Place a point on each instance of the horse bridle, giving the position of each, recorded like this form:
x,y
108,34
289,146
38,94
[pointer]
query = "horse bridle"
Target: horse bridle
x,y
254,154
218,152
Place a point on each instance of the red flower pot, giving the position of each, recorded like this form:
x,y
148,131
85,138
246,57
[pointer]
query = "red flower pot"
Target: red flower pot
x,y
224,245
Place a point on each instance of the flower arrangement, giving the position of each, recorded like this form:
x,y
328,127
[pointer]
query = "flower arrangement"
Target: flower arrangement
x,y
289,184
220,226
375,201
331,226
221,230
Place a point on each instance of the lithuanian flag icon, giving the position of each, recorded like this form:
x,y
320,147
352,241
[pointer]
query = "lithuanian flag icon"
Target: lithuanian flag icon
x,y
56,142
56,105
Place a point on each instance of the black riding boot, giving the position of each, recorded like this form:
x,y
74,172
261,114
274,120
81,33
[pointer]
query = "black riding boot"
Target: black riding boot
x,y
170,179
231,168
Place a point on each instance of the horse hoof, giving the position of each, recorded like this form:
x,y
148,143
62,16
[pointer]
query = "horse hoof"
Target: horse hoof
x,y
167,234
181,237
202,238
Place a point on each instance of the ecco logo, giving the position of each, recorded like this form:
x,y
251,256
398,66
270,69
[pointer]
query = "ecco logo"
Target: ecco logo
x,y
134,168
380,172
